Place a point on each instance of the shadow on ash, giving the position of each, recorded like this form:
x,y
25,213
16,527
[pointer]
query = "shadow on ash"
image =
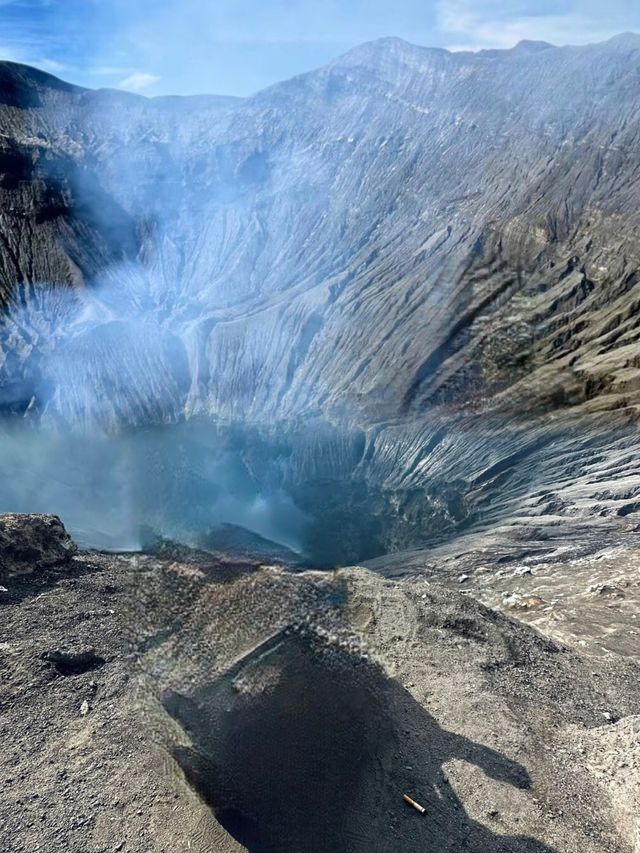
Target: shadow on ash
x,y
304,747
308,704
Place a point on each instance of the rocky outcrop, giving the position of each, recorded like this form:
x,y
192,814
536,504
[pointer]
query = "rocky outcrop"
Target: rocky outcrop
x,y
403,228
418,267
32,542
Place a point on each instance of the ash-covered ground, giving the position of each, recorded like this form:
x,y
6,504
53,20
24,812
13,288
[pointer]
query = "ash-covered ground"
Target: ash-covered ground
x,y
185,700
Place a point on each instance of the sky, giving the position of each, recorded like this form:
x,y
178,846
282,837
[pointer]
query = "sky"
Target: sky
x,y
236,47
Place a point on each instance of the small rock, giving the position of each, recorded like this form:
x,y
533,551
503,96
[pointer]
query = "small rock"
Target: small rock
x,y
463,578
84,708
607,590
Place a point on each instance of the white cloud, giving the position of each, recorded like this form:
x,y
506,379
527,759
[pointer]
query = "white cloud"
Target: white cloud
x,y
138,81
474,28
52,65
110,70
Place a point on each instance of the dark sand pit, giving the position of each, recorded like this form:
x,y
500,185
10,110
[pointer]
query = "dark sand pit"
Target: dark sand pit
x,y
305,747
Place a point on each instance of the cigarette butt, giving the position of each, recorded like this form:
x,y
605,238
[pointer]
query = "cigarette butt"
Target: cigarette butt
x,y
413,803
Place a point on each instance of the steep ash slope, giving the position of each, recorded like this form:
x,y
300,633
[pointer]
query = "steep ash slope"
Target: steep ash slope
x,y
433,252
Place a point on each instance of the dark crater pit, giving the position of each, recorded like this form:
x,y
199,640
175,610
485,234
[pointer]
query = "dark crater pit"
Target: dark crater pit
x,y
304,748
316,490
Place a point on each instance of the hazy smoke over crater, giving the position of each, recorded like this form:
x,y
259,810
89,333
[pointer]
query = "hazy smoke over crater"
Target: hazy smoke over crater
x,y
97,380
94,386
180,481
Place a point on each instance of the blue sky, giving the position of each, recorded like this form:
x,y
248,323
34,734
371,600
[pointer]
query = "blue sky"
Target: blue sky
x,y
239,46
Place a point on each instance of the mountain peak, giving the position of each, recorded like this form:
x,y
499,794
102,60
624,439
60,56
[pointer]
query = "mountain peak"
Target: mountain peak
x,y
531,46
389,50
22,85
625,39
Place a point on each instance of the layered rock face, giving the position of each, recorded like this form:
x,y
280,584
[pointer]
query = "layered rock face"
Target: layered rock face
x,y
411,271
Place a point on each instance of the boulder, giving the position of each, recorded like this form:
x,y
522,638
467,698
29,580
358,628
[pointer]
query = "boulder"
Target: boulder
x,y
32,542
